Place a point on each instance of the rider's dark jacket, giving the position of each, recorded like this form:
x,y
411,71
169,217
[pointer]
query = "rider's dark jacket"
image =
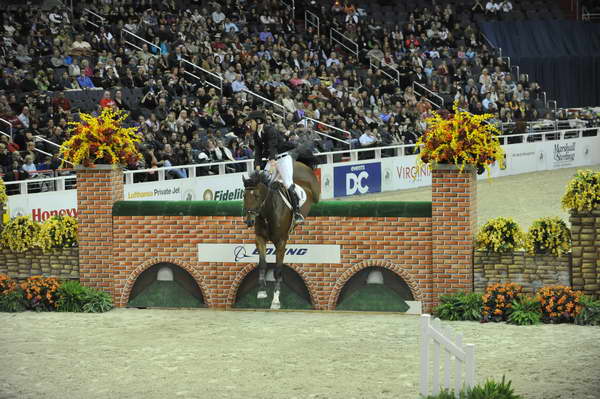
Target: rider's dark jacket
x,y
269,143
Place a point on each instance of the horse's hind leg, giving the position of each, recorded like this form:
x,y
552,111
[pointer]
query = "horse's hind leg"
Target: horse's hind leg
x,y
261,245
279,253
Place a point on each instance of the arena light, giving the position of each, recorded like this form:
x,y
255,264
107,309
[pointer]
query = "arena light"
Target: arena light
x,y
165,273
375,277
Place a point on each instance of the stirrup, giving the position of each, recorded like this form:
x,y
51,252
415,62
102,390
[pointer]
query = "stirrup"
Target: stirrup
x,y
298,218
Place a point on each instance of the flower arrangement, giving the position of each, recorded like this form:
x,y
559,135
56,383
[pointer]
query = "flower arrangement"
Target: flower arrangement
x,y
3,196
460,139
57,232
548,234
500,235
583,192
20,234
6,284
40,293
23,233
498,301
559,303
101,140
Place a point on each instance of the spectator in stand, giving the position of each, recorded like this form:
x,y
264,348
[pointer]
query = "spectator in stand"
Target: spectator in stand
x,y
107,101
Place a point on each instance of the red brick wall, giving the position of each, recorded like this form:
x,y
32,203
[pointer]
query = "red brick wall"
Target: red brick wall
x,y
454,218
399,244
97,190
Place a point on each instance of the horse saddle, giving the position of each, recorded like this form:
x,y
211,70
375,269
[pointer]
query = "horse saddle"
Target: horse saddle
x,y
277,184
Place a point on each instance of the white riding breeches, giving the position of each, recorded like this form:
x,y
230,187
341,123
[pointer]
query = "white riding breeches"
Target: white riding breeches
x,y
285,168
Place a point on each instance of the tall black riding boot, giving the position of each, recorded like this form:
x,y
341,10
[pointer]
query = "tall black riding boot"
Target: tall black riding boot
x,y
298,218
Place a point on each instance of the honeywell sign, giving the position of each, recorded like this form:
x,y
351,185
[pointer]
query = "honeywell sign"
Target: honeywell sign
x,y
41,206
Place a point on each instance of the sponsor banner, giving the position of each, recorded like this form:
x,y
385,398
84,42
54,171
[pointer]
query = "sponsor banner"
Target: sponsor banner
x,y
248,253
356,179
227,187
402,173
41,206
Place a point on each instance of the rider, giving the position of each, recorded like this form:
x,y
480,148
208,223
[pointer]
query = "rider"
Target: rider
x,y
270,144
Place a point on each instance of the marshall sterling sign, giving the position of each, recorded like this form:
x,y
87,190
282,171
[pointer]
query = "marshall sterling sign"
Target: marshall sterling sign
x,y
247,253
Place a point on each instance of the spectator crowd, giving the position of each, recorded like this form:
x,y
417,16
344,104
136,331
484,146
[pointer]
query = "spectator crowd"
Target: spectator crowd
x,y
52,59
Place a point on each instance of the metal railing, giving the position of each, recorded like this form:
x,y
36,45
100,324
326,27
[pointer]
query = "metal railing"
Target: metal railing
x,y
339,38
344,132
387,70
310,18
277,109
52,143
291,7
424,92
129,38
590,16
331,157
204,76
10,128
99,20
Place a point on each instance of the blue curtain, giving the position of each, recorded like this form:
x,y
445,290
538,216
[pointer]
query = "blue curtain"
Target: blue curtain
x,y
562,56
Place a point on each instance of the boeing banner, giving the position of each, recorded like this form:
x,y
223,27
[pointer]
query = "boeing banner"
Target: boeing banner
x,y
356,179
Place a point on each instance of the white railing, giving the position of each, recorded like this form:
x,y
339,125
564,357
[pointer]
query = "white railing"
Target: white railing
x,y
100,20
333,157
278,109
128,37
389,71
189,170
37,184
338,37
310,18
10,128
418,87
196,69
449,349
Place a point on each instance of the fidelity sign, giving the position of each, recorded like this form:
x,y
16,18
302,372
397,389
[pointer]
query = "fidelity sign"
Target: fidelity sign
x,y
247,253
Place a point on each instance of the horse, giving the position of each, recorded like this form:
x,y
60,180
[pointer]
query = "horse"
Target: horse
x,y
266,209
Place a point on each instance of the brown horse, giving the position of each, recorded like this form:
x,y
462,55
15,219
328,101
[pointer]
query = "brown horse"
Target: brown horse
x,y
266,210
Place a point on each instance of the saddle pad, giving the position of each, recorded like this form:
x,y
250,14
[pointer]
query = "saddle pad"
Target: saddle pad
x,y
299,190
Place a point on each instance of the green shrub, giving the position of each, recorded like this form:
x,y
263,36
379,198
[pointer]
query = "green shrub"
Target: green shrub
x,y
590,312
490,390
525,311
97,302
459,306
500,235
71,296
12,301
548,235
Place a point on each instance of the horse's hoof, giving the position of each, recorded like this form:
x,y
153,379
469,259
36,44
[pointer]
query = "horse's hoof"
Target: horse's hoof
x,y
261,295
275,306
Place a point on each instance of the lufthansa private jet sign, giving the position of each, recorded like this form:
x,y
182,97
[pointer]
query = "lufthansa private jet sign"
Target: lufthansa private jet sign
x,y
247,253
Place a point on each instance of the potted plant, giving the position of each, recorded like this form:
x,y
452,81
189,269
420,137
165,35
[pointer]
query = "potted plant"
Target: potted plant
x,y
460,139
102,140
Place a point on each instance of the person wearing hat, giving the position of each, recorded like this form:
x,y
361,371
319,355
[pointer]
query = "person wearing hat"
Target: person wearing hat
x,y
271,145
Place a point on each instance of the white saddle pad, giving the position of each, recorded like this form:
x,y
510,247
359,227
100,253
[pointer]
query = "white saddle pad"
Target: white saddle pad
x,y
299,190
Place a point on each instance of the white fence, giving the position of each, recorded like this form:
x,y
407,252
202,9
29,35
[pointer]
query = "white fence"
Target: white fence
x,y
449,350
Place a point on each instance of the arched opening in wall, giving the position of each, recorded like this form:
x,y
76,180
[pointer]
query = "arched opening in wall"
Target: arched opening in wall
x,y
166,285
293,295
376,289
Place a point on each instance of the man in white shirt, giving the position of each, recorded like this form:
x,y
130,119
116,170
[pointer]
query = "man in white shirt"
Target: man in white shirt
x,y
80,46
24,117
332,60
218,16
492,7
506,6
367,139
29,166
238,84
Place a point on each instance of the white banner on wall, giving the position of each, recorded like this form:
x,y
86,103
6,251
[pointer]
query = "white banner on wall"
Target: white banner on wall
x,y
41,206
247,253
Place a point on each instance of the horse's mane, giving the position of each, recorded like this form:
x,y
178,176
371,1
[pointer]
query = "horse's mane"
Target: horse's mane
x,y
256,177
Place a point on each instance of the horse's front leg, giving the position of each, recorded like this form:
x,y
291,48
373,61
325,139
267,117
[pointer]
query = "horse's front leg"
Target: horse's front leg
x,y
278,273
261,245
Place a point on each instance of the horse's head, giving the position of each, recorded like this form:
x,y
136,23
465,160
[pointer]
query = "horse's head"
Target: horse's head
x,y
255,195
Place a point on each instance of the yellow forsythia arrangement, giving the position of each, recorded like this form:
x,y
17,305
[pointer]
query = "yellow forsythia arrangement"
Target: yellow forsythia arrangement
x,y
6,284
3,196
559,303
498,299
20,234
500,235
583,191
40,292
548,234
101,140
461,139
23,233
58,232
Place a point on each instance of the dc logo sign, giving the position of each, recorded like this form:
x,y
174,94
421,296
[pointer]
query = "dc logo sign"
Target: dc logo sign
x,y
357,179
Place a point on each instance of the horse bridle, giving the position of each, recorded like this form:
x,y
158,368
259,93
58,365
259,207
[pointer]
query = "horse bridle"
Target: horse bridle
x,y
258,210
